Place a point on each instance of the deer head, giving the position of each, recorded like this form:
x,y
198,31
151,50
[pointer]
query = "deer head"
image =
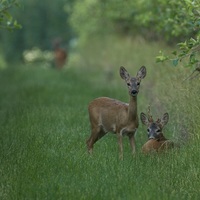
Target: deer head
x,y
154,128
133,83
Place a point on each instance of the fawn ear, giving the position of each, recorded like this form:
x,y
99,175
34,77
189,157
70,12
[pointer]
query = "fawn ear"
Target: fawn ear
x,y
123,73
165,119
142,72
144,119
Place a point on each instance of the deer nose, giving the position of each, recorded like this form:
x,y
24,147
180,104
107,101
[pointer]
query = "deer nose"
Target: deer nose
x,y
151,137
134,92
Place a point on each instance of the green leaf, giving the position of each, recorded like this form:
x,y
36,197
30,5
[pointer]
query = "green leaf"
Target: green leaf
x,y
7,15
174,53
161,58
175,62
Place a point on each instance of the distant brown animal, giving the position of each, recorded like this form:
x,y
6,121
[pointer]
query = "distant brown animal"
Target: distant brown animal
x,y
110,115
156,140
60,54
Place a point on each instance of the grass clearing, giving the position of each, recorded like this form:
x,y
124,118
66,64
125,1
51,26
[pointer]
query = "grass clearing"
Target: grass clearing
x,y
44,125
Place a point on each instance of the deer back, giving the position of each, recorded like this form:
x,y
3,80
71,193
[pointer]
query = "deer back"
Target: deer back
x,y
153,145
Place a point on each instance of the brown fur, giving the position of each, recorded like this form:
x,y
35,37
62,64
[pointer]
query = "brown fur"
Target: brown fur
x,y
60,56
154,145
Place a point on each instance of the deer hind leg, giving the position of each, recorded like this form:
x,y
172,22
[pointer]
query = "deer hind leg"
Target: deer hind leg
x,y
96,134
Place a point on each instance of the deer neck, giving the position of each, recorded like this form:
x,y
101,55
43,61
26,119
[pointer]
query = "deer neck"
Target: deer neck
x,y
132,109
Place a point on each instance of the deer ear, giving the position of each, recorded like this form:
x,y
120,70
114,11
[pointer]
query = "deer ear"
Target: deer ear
x,y
142,72
165,119
144,119
123,73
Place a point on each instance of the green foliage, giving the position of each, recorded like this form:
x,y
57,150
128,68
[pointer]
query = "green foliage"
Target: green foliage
x,y
186,20
171,21
187,50
42,22
155,18
3,64
85,19
6,19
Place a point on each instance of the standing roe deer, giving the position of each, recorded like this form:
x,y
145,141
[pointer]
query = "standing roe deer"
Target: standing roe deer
x,y
60,54
156,140
110,115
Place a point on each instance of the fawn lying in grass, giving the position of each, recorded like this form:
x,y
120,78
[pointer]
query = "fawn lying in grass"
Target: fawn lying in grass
x,y
156,140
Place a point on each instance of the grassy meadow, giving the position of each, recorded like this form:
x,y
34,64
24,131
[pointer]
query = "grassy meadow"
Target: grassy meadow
x,y
44,125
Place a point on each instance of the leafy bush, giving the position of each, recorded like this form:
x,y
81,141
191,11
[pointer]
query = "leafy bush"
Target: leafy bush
x,y
6,19
160,17
171,21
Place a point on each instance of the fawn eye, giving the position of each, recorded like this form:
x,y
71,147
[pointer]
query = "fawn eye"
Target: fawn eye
x,y
128,84
158,131
148,130
138,83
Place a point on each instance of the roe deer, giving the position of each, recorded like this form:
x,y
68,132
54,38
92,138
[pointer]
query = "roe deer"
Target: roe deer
x,y
110,115
156,140
60,54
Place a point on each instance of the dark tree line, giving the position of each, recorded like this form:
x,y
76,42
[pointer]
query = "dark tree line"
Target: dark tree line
x,y
41,22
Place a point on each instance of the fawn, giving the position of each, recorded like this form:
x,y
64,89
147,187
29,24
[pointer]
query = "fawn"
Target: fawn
x,y
156,140
110,115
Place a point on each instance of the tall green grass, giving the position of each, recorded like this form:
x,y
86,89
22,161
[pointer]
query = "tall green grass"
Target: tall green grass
x,y
44,125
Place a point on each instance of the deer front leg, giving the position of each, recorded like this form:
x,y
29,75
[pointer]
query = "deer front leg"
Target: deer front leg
x,y
120,146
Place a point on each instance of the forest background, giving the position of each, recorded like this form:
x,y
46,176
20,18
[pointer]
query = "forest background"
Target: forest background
x,y
42,23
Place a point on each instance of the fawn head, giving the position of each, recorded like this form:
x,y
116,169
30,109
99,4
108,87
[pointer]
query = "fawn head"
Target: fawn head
x,y
133,83
154,128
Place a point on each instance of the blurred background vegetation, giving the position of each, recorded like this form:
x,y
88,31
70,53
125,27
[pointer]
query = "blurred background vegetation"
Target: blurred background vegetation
x,y
79,22
41,23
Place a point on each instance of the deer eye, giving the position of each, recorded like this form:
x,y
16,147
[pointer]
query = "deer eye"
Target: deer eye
x,y
128,84
148,130
158,131
138,83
